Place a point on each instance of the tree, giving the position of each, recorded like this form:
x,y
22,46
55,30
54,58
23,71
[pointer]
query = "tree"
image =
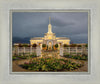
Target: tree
x,y
44,45
25,45
79,45
34,45
73,45
56,45
65,45
86,45
20,45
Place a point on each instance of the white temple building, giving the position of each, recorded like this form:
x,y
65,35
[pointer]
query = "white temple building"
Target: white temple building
x,y
50,39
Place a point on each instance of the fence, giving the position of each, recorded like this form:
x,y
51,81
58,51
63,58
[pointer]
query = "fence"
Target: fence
x,y
23,50
75,50
37,51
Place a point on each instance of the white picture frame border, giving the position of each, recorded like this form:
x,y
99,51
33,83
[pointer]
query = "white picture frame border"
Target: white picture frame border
x,y
58,11
6,78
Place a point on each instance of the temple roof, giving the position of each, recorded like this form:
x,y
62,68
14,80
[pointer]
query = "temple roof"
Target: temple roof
x,y
36,38
58,38
62,38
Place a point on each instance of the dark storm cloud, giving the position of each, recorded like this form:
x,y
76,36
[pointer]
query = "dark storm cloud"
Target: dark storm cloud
x,y
70,24
59,23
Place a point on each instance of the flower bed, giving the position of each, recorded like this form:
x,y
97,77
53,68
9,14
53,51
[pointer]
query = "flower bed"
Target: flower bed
x,y
51,64
83,57
18,57
23,57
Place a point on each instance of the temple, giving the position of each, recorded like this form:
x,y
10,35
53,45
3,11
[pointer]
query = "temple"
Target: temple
x,y
50,39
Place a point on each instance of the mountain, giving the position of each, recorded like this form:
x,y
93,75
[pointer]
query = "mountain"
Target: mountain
x,y
27,40
21,40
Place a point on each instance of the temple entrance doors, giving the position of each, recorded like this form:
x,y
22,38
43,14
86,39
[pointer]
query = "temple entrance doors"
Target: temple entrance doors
x,y
50,44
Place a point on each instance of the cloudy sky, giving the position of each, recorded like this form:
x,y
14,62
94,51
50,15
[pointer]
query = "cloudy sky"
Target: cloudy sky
x,y
73,25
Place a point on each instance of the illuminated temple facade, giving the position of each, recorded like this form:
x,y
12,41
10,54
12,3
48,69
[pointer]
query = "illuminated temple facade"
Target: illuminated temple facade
x,y
50,39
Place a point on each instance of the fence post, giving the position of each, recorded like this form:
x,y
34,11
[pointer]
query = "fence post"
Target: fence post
x,y
24,50
82,50
30,50
38,51
69,50
18,50
76,50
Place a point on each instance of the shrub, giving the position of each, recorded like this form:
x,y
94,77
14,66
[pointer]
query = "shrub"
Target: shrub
x,y
56,45
79,45
29,46
86,45
44,45
13,58
65,45
34,45
83,57
73,45
20,45
33,55
25,45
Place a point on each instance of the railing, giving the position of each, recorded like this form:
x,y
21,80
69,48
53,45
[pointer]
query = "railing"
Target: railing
x,y
75,50
66,50
23,50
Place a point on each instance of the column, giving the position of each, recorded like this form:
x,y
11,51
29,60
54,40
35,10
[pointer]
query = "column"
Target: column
x,y
38,51
61,51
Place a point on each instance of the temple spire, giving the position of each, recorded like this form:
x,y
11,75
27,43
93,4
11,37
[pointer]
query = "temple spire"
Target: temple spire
x,y
49,26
